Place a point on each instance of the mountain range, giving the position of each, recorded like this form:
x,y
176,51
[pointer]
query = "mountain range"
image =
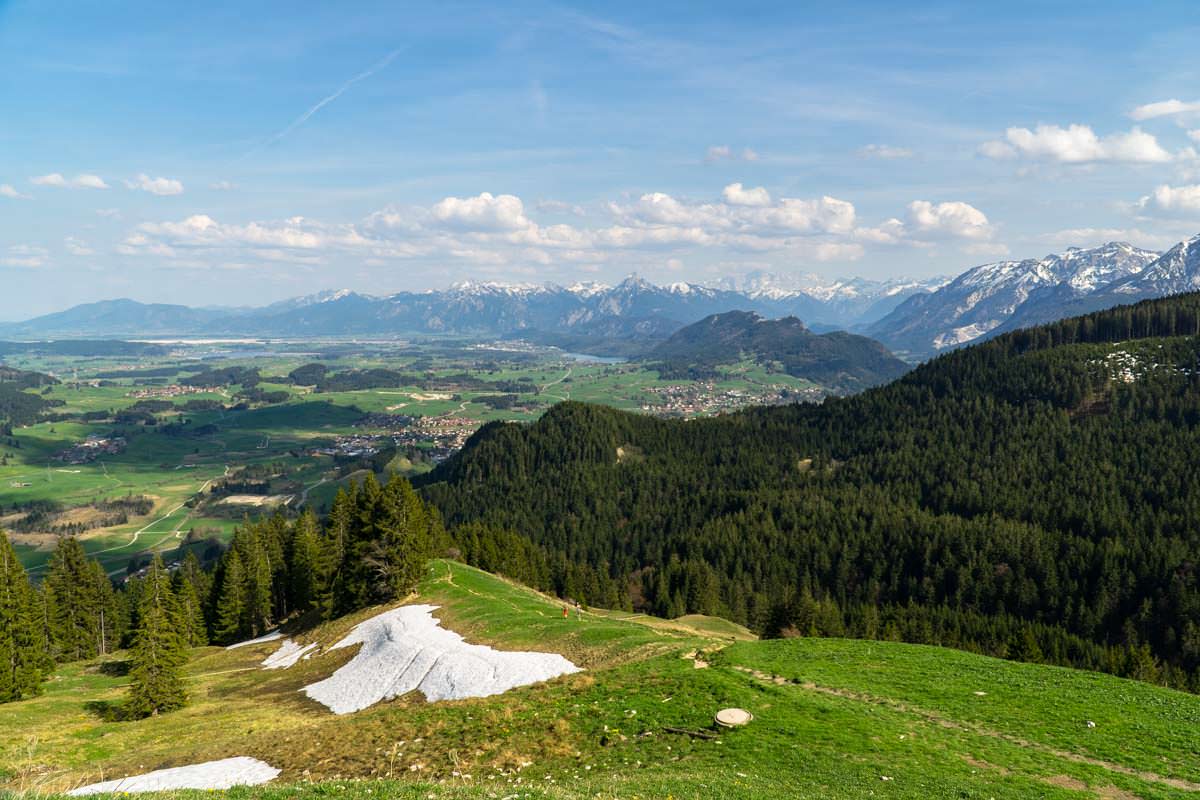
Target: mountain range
x,y
995,298
492,309
916,318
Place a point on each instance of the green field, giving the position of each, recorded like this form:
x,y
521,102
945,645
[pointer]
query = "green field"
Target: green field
x,y
832,719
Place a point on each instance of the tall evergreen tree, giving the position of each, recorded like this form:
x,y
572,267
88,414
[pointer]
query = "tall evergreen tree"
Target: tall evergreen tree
x,y
72,600
20,659
107,620
304,563
230,603
191,611
159,649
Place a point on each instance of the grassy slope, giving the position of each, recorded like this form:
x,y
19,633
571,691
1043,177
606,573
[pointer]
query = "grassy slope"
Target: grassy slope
x,y
832,718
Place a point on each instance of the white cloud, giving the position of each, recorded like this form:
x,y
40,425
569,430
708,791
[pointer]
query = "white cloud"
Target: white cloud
x,y
718,152
56,180
7,190
496,233
952,219
221,186
482,212
560,207
749,155
1077,144
108,213
736,195
1164,108
24,256
997,150
886,151
160,186
1194,135
77,248
1172,200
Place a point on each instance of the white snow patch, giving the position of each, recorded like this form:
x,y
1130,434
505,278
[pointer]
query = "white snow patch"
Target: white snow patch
x,y
406,649
287,655
273,636
223,774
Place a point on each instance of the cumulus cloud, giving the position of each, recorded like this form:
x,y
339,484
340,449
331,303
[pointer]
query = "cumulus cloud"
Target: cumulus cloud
x,y
737,195
162,187
7,190
82,181
952,219
885,151
492,231
1164,108
482,212
1172,200
1077,144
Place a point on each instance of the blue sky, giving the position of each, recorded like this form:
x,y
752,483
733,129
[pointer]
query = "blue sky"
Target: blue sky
x,y
238,153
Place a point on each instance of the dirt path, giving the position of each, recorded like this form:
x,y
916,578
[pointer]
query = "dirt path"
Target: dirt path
x,y
565,375
148,526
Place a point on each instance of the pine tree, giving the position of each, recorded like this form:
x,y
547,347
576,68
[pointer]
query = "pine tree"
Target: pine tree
x,y
20,659
230,604
191,612
106,619
159,649
304,563
71,588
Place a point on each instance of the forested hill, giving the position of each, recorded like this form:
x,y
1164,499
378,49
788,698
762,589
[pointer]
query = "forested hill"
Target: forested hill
x,y
1034,497
839,360
17,406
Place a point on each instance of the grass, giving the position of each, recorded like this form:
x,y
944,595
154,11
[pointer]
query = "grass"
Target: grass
x,y
832,719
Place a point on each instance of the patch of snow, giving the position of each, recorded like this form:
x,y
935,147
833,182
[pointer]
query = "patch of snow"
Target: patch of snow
x,y
406,649
223,774
266,637
287,655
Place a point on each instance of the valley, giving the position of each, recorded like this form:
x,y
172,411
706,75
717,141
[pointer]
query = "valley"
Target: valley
x,y
190,443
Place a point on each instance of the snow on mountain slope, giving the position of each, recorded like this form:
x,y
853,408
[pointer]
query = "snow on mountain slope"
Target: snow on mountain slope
x,y
987,297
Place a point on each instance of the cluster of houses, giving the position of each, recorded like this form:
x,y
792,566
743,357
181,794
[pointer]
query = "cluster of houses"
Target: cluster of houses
x,y
92,448
705,398
173,390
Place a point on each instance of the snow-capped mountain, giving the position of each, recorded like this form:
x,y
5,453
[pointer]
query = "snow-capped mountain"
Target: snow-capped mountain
x,y
920,317
1007,294
843,302
1176,271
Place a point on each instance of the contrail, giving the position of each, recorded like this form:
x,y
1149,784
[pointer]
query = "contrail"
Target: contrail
x,y
303,118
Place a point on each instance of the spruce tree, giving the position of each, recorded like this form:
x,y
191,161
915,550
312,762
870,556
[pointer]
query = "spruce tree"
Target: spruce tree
x,y
159,649
191,612
230,603
304,563
71,588
20,659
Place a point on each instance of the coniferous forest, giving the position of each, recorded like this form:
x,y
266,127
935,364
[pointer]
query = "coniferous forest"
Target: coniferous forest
x,y
1033,497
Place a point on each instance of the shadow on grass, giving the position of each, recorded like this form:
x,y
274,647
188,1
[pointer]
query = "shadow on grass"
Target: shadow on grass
x,y
108,710
114,669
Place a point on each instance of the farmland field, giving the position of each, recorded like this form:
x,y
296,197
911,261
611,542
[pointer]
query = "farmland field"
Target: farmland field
x,y
178,437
